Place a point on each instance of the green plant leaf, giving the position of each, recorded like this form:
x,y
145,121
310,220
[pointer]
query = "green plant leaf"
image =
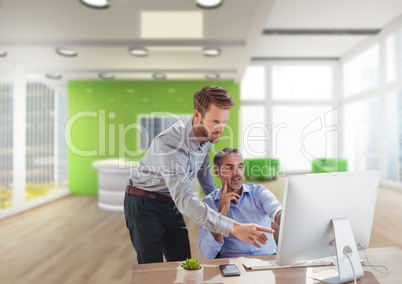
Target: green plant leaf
x,y
191,264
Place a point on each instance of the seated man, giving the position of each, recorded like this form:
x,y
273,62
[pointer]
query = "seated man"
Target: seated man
x,y
244,203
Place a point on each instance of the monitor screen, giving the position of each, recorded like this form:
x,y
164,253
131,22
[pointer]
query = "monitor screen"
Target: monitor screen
x,y
310,203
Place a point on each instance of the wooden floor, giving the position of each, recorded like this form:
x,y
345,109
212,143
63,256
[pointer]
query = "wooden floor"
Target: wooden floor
x,y
72,241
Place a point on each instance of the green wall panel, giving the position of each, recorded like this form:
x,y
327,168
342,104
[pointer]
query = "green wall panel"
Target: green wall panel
x,y
102,115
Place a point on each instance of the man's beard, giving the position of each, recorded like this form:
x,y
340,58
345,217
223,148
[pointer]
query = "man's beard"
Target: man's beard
x,y
209,135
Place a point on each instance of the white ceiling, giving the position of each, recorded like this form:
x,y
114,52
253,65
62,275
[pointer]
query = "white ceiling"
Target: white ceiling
x,y
31,30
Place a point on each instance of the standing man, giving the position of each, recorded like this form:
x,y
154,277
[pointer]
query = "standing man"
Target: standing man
x,y
243,203
160,189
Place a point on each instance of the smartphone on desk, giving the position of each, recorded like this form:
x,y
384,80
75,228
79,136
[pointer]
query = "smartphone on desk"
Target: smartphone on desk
x,y
229,270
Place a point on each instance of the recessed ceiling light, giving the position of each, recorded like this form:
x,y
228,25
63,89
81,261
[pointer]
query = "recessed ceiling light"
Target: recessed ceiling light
x,y
53,76
141,52
212,76
97,4
211,52
66,52
159,76
209,4
106,76
3,53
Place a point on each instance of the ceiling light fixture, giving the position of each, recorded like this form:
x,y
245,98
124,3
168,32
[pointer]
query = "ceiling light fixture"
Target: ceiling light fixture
x,y
211,52
212,76
53,76
140,52
209,4
3,53
66,52
106,76
159,76
96,4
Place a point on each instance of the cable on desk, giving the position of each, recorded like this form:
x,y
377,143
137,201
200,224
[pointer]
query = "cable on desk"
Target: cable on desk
x,y
351,264
385,273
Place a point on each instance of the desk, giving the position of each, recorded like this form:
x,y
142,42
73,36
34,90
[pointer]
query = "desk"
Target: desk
x,y
171,272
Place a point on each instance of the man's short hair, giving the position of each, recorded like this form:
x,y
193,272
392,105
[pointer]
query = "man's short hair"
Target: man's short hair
x,y
219,156
212,95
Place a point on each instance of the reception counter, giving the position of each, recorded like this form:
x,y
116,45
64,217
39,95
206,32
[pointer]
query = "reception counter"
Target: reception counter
x,y
113,175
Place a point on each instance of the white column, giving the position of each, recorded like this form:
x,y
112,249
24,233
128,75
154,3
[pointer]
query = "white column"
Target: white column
x,y
19,135
382,131
337,96
270,146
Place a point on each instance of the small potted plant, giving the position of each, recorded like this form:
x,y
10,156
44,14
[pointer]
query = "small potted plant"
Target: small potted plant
x,y
193,271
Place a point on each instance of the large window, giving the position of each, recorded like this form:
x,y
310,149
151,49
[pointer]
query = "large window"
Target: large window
x,y
394,136
372,105
253,83
303,134
298,111
6,144
287,113
255,133
254,127
361,136
303,123
302,82
45,151
394,56
362,72
40,163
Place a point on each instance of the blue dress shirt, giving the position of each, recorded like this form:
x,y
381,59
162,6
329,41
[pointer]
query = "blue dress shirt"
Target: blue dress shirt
x,y
256,205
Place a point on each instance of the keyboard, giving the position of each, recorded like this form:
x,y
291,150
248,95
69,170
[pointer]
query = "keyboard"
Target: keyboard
x,y
272,264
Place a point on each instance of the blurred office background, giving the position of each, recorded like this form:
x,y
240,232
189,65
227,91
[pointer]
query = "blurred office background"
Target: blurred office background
x,y
85,89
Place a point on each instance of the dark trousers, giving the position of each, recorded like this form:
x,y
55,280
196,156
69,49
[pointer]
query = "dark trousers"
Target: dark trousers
x,y
156,229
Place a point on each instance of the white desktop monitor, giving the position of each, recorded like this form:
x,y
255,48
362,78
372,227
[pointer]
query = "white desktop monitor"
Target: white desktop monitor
x,y
312,201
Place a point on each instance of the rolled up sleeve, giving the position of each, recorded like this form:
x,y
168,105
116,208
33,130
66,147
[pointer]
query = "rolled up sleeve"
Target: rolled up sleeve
x,y
269,202
209,247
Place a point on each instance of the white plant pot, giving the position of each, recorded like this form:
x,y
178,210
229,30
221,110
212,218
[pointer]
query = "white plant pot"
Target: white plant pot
x,y
193,276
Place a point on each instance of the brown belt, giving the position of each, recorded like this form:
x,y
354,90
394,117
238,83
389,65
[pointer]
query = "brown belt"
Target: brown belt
x,y
138,191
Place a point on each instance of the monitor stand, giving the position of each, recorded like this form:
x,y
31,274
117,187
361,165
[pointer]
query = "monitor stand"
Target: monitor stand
x,y
344,243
